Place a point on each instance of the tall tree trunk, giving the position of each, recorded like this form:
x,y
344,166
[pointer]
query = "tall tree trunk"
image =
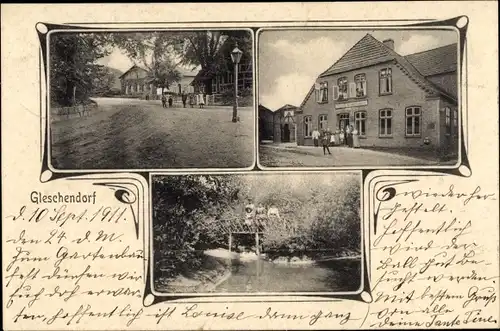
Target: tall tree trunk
x,y
208,86
68,95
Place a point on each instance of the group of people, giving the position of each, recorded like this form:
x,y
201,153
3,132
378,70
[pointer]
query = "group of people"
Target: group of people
x,y
194,99
343,137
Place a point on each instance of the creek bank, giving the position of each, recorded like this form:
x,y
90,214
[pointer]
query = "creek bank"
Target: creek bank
x,y
303,258
212,272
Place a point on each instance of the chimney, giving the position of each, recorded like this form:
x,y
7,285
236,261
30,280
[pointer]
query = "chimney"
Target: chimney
x,y
389,43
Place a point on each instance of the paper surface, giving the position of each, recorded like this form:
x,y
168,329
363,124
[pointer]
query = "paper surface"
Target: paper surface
x,y
78,246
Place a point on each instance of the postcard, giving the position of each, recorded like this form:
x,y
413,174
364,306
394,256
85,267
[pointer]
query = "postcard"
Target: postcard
x,y
250,166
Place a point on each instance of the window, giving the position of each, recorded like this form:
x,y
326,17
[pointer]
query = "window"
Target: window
x,y
360,122
455,119
322,92
447,120
385,127
413,121
307,126
385,77
323,122
342,84
343,121
360,81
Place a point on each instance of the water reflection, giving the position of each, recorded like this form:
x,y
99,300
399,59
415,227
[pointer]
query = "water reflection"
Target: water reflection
x,y
264,276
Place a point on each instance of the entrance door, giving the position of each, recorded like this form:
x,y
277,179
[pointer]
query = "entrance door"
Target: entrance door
x,y
286,133
343,121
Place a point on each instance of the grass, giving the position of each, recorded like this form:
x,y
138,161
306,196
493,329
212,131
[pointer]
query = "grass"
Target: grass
x,y
137,134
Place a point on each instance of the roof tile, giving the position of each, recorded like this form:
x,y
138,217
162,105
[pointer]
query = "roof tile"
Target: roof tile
x,y
435,61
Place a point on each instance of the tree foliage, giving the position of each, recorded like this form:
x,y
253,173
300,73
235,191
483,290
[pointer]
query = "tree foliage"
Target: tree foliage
x,y
155,51
318,213
73,69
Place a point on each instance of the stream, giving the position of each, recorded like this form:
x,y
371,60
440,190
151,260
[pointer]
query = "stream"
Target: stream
x,y
264,276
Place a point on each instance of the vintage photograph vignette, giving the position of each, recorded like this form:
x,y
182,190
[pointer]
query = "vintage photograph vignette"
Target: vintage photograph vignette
x,y
433,62
241,218
195,123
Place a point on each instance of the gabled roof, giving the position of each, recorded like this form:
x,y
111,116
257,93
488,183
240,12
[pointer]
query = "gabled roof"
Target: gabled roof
x,y
287,106
135,66
264,108
311,90
367,51
370,51
185,72
435,61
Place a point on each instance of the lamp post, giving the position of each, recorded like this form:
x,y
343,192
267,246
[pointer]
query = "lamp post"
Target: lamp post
x,y
236,57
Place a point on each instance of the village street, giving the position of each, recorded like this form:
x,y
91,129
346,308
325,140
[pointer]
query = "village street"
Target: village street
x,y
291,155
138,134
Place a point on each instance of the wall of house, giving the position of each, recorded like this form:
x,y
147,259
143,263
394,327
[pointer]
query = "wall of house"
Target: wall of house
x,y
405,93
266,125
134,78
447,82
448,138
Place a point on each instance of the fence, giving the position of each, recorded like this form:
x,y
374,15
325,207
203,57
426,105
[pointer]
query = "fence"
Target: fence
x,y
60,113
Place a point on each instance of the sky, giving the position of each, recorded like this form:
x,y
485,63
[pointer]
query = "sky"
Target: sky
x,y
117,59
289,61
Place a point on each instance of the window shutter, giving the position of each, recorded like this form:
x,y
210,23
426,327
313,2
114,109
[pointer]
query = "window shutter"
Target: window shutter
x,y
335,92
352,90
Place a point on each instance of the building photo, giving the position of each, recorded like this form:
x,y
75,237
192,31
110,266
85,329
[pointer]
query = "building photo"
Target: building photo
x,y
151,100
381,98
256,233
277,125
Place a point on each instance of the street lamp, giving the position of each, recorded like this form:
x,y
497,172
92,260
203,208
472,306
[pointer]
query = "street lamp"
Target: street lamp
x,y
236,57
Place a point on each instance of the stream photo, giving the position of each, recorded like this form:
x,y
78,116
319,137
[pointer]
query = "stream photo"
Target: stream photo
x,y
267,233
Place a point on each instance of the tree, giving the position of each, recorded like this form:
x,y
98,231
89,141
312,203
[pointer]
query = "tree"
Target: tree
x,y
106,81
211,50
73,70
156,51
162,74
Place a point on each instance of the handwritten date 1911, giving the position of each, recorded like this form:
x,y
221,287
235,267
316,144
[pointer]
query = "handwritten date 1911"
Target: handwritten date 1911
x,y
60,215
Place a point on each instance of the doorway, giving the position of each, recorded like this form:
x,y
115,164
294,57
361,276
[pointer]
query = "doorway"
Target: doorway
x,y
343,121
286,133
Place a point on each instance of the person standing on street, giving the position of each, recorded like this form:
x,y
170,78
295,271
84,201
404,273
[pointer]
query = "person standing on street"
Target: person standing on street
x,y
164,101
325,141
201,100
184,99
355,138
191,100
348,135
351,130
315,135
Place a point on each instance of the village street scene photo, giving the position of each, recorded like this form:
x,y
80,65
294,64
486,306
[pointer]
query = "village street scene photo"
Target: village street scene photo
x,y
151,100
257,233
334,98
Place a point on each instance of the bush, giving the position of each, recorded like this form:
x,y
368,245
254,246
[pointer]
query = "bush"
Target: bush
x,y
181,204
318,215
